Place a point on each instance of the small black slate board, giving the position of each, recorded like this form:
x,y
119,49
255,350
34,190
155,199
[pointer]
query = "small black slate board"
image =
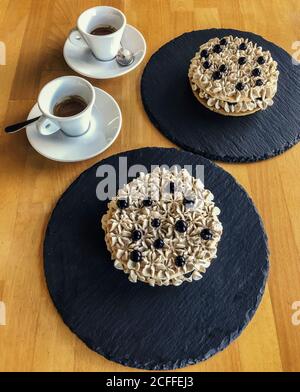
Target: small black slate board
x,y
138,325
173,109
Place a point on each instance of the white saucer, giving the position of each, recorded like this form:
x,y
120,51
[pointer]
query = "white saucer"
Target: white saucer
x,y
104,128
81,59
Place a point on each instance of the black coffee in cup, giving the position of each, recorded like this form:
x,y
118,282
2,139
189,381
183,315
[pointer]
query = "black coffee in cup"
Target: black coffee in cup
x,y
103,30
69,106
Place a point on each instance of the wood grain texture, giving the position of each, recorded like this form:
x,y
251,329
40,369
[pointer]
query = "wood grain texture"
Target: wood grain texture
x,y
34,31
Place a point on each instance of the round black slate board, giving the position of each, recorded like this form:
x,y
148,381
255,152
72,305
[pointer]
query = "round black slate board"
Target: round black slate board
x,y
138,325
173,109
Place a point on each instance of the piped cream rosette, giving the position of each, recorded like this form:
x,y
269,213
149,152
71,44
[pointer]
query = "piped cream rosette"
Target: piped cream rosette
x,y
233,76
162,228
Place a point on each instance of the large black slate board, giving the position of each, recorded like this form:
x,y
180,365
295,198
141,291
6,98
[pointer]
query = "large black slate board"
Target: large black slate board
x,y
173,109
161,327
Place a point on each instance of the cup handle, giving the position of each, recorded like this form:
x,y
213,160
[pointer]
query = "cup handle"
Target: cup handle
x,y
77,39
46,127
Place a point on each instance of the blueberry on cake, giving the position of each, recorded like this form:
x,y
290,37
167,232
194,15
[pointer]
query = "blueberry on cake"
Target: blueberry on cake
x,y
162,228
233,76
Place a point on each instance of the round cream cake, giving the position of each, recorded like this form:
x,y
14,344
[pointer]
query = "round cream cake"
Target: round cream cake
x,y
233,76
162,228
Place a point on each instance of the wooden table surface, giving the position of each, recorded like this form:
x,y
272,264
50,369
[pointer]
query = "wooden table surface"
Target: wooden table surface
x,y
34,337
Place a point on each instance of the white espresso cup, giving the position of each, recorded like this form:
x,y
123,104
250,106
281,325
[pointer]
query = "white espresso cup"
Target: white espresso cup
x,y
55,92
104,47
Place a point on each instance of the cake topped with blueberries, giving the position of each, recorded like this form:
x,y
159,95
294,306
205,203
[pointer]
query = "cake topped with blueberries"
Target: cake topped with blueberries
x,y
162,228
233,76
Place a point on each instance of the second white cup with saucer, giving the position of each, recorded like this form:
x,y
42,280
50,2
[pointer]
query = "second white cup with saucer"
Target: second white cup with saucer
x,y
79,137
